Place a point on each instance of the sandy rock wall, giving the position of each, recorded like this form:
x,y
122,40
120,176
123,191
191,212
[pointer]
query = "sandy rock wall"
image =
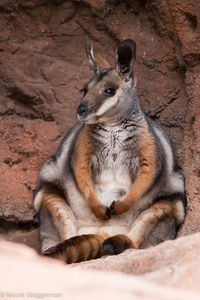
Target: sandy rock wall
x,y
43,66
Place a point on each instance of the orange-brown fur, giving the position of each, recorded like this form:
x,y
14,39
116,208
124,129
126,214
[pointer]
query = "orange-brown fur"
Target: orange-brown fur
x,y
102,63
147,161
84,151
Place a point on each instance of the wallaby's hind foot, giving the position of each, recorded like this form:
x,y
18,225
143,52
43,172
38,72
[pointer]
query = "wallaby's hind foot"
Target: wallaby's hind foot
x,y
78,248
117,244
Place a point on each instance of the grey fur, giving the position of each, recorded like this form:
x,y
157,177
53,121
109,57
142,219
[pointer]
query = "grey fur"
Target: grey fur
x,y
115,134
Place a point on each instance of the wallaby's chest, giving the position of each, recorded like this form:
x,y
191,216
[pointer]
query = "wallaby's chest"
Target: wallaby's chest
x,y
114,166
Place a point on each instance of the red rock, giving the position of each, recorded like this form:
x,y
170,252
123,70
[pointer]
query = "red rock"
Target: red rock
x,y
43,67
24,146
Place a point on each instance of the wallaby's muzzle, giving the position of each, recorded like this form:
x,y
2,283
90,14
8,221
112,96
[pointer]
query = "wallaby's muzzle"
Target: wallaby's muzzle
x,y
82,110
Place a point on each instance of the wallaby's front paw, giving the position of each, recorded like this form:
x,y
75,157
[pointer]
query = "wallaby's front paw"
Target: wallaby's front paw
x,y
112,208
115,208
101,212
118,207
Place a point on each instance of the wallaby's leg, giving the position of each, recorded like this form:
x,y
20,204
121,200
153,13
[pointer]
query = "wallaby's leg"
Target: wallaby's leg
x,y
48,233
57,221
157,223
78,248
58,231
154,225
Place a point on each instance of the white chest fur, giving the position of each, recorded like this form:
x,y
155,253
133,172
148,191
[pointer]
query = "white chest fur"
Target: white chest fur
x,y
114,167
113,181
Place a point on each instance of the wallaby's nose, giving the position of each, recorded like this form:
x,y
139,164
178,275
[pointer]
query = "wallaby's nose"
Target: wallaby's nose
x,y
81,110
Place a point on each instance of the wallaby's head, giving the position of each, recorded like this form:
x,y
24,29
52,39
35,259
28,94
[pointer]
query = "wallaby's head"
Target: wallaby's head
x,y
108,96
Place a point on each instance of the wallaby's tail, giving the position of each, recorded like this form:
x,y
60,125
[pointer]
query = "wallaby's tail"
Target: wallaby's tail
x,y
78,248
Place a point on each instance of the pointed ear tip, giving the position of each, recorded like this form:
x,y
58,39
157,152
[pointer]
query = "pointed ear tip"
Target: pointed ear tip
x,y
88,44
129,43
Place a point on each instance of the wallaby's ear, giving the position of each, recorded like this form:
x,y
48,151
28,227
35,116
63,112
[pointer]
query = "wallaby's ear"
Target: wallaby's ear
x,y
96,61
92,62
126,53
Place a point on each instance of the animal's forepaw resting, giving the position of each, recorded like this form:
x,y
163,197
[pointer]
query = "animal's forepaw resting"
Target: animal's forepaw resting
x,y
101,212
118,207
117,244
112,208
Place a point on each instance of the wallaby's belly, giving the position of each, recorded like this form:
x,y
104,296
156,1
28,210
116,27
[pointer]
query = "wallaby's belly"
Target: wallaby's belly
x,y
113,177
111,186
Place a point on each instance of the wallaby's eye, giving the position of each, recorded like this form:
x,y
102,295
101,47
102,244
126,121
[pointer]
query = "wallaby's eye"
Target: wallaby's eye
x,y
110,92
84,90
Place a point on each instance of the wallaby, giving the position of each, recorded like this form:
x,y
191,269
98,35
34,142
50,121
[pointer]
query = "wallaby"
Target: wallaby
x,y
113,183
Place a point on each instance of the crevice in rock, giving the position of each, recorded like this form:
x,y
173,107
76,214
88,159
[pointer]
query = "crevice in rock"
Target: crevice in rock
x,y
8,161
192,59
29,115
157,113
110,33
7,225
191,19
31,4
97,16
87,32
18,94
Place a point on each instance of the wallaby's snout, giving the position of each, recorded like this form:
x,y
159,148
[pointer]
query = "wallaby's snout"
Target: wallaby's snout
x,y
82,110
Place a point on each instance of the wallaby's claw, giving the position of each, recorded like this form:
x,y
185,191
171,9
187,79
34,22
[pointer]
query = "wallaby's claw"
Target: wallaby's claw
x,y
112,208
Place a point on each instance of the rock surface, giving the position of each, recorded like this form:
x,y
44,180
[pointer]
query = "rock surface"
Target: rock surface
x,y
43,66
172,263
170,271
